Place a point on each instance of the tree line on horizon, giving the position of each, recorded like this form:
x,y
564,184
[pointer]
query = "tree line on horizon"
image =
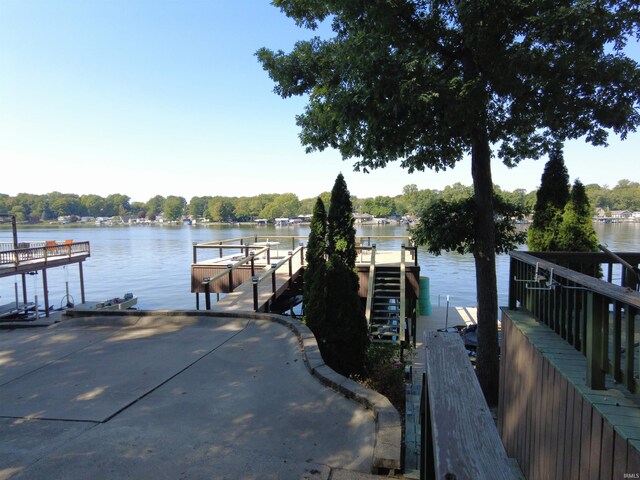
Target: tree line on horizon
x,y
36,208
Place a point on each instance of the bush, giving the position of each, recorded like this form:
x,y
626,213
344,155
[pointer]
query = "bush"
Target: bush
x,y
384,372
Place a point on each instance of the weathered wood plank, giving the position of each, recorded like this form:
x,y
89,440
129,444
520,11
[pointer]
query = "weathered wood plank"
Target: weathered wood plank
x,y
466,443
619,456
606,457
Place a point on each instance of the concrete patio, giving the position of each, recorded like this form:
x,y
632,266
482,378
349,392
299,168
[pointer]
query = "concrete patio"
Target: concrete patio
x,y
175,396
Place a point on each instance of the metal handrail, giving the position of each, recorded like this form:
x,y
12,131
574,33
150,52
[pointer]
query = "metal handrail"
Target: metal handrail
x,y
206,284
403,294
370,286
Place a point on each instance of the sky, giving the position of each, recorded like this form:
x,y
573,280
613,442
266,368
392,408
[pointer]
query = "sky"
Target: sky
x,y
166,97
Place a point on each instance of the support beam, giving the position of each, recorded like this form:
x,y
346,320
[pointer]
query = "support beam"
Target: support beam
x,y
45,291
81,282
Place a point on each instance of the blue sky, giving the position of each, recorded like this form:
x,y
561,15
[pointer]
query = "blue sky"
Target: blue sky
x,y
166,97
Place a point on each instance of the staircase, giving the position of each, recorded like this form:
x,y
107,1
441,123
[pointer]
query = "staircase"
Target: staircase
x,y
385,311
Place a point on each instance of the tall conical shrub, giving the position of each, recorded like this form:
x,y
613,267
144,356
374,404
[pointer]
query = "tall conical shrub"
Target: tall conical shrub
x,y
346,332
551,198
315,272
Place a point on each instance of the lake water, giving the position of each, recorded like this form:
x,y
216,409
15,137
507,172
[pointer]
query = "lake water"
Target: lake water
x,y
153,262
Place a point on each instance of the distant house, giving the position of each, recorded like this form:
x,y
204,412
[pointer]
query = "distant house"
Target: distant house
x,y
600,212
620,214
362,217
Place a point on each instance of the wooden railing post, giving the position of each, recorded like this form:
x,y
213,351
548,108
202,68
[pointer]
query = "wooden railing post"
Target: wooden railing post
x,y
628,377
253,264
290,254
512,284
230,267
596,343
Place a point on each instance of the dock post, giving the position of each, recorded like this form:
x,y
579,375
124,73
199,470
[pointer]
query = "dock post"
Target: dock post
x,y
290,264
45,290
254,280
24,288
268,253
81,282
197,301
207,293
273,277
195,252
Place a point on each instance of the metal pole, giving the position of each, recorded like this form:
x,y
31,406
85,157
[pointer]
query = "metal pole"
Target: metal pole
x,y
446,317
14,228
24,288
81,282
45,289
254,280
207,293
273,277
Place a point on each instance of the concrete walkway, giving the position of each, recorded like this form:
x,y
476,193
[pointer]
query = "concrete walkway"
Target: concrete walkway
x,y
173,397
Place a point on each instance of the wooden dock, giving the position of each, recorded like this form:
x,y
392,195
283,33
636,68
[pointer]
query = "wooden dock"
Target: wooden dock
x,y
264,273
22,258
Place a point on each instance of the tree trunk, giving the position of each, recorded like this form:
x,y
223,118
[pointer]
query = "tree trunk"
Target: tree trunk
x,y
487,363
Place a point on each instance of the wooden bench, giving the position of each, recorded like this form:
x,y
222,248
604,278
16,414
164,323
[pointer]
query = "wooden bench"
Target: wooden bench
x,y
460,440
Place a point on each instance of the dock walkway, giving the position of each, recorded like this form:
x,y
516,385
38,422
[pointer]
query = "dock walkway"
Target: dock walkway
x,y
272,283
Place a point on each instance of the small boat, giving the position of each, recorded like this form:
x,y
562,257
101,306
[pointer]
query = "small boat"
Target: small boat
x,y
117,303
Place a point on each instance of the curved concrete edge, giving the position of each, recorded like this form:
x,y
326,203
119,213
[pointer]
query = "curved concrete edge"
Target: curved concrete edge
x,y
388,441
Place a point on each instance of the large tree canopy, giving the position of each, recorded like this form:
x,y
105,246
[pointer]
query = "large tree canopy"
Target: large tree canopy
x,y
426,82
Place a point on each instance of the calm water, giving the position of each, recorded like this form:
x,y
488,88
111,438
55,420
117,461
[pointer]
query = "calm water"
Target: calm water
x,y
153,262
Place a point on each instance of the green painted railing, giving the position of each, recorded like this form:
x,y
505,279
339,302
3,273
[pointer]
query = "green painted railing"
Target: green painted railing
x,y
598,318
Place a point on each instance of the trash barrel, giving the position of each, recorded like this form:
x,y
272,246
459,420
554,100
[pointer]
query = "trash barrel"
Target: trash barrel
x,y
424,303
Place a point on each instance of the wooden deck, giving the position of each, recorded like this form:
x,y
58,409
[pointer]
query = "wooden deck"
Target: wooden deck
x,y
277,262
40,256
44,255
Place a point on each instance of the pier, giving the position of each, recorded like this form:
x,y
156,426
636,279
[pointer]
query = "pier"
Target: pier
x,y
264,274
27,258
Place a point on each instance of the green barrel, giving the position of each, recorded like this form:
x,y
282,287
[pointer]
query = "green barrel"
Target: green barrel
x,y
424,303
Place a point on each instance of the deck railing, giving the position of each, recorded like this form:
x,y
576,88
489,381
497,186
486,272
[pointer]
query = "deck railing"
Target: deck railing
x,y
42,251
269,273
598,318
370,286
